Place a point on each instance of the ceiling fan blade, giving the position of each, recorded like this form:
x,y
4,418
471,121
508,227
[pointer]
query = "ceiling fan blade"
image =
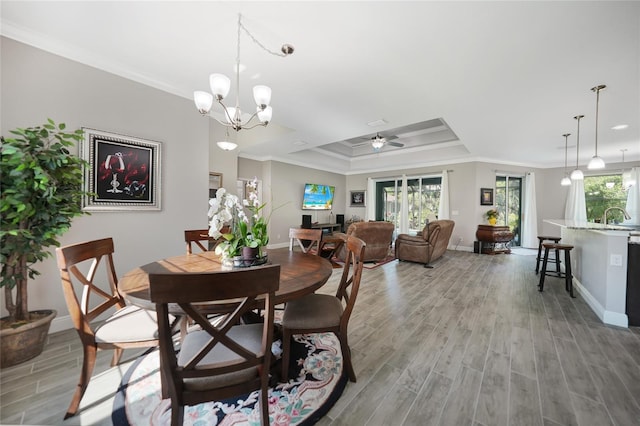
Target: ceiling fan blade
x,y
398,144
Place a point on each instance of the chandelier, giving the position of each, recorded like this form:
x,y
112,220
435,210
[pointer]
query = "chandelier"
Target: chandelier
x,y
597,162
577,173
220,86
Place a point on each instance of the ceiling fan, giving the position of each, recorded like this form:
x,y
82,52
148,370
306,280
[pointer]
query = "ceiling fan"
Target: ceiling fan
x,y
378,141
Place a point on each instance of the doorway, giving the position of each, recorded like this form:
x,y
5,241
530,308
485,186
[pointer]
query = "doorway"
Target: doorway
x,y
509,205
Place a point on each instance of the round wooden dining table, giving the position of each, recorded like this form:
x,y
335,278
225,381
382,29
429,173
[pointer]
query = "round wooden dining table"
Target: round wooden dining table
x,y
300,274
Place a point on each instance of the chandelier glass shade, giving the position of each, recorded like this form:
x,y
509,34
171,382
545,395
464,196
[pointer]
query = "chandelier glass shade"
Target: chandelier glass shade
x,y
565,180
577,173
220,86
596,161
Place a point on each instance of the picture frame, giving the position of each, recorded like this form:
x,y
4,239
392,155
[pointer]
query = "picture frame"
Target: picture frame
x,y
215,183
123,172
486,196
358,198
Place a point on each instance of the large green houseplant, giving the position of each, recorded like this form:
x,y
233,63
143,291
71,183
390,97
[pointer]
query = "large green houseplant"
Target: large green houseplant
x,y
41,192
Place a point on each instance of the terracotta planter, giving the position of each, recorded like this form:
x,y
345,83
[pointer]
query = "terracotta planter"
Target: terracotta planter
x,y
25,342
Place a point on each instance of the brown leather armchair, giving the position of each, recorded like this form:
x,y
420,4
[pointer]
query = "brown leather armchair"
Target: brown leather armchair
x,y
428,245
376,234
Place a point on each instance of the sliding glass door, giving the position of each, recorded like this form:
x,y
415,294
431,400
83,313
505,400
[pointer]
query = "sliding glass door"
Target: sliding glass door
x,y
423,198
509,204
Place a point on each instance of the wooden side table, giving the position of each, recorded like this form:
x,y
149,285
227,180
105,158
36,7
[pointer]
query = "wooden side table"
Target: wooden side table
x,y
494,239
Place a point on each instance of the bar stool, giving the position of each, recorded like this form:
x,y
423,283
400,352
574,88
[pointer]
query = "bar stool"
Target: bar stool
x,y
542,239
568,277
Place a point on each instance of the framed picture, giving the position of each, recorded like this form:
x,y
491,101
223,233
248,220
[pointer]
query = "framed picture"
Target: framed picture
x,y
215,183
123,172
486,196
358,198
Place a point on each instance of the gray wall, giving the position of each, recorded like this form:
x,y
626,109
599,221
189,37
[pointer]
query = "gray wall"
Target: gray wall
x,y
37,85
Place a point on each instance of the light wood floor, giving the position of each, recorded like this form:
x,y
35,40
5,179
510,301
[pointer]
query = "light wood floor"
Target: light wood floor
x,y
470,342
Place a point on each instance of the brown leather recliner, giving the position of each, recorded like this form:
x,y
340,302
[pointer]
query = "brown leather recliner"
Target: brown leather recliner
x,y
376,234
428,245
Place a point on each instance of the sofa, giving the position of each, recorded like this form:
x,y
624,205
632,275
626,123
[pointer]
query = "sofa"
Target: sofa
x,y
377,235
430,244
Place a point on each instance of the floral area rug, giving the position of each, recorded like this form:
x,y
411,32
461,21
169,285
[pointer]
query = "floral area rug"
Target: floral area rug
x,y
316,365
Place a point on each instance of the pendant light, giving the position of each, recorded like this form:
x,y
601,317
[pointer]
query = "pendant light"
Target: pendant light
x,y
597,162
577,173
565,180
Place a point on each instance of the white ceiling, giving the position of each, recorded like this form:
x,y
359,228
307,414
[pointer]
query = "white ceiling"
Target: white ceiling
x,y
505,77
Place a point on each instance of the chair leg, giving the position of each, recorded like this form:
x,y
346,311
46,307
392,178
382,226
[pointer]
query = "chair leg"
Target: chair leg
x,y
177,413
538,258
264,401
544,269
286,347
117,354
567,273
88,363
346,356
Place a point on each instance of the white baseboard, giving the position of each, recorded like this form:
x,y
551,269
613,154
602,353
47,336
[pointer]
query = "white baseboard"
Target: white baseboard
x,y
607,317
61,323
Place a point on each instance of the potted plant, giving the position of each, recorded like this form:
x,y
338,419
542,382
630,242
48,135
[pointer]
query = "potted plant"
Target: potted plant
x,y
492,216
41,193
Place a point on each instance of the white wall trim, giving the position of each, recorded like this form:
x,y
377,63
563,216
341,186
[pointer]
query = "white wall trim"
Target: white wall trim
x,y
607,317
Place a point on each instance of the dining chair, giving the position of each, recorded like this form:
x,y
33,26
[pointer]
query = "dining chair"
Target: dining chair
x,y
316,313
307,239
198,236
222,359
127,327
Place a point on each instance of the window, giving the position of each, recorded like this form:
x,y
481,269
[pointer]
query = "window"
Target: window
x,y
602,192
423,195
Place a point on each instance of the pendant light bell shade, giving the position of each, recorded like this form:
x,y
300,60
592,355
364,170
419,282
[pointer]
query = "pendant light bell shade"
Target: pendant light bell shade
x,y
566,181
577,173
220,85
226,145
262,96
203,101
596,162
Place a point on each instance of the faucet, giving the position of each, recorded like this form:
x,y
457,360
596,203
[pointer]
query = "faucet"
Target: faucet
x,y
604,216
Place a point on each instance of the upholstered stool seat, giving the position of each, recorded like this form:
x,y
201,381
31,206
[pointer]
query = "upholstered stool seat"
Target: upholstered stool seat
x,y
568,277
556,260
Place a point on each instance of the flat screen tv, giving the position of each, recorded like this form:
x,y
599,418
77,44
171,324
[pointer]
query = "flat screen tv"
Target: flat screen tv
x,y
317,197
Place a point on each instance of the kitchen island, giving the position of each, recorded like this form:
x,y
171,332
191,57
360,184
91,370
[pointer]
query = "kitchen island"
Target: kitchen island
x,y
599,265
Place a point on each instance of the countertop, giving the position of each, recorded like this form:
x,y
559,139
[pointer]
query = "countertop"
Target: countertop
x,y
572,224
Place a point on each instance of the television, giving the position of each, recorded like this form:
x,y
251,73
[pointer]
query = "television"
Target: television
x,y
317,197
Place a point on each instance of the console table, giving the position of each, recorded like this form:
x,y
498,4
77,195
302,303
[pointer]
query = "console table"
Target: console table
x,y
330,226
494,239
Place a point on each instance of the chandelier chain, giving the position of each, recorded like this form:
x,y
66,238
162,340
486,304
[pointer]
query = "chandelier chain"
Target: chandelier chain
x,y
256,41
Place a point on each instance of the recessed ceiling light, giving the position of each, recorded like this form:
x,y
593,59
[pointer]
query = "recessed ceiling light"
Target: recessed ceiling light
x,y
377,123
620,127
298,143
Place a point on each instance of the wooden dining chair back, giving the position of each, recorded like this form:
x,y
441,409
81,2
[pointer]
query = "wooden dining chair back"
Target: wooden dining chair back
x,y
200,237
222,359
316,313
127,327
307,239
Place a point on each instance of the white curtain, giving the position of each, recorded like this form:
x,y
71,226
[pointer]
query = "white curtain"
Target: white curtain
x,y
404,207
576,207
529,231
370,213
443,207
633,198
